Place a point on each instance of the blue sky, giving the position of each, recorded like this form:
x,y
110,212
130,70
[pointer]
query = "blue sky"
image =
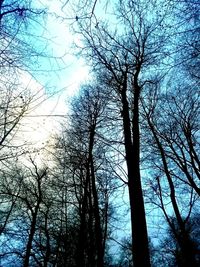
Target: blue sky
x,y
58,76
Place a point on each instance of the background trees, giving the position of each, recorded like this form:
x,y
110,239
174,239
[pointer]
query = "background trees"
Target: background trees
x,y
21,192
89,178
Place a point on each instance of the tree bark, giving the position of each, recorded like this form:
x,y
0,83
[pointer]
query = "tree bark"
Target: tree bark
x,y
98,230
30,238
34,218
140,247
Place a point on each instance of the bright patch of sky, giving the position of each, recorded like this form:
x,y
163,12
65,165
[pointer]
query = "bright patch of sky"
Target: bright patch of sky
x,y
61,70
55,78
61,73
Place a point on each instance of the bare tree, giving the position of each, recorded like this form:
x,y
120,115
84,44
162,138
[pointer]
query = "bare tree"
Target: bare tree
x,y
172,134
88,179
25,190
16,51
124,62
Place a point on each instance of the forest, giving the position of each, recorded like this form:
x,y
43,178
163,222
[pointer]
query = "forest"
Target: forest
x,y
113,181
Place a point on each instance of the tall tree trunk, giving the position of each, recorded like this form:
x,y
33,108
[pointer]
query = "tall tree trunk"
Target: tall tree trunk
x,y
105,232
91,238
98,230
48,247
30,237
80,259
140,247
34,217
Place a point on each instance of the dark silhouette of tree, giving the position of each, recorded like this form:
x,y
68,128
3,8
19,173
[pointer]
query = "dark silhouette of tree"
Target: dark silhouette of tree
x,y
124,62
173,134
24,188
88,178
39,176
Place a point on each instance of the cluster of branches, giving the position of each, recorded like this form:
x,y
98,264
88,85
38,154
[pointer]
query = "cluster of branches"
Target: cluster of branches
x,y
17,55
21,187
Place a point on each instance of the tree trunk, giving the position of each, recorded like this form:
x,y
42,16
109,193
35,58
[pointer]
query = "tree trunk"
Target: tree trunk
x,y
48,247
34,220
80,260
30,238
140,247
98,230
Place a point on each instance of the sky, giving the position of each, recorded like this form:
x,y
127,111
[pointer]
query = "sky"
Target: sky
x,y
57,79
65,69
